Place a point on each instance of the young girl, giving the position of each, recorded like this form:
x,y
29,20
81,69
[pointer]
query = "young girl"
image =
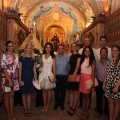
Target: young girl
x,y
112,83
9,63
27,71
87,65
48,75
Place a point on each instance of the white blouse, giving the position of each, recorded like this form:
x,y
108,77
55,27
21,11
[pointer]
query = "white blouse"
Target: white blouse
x,y
85,68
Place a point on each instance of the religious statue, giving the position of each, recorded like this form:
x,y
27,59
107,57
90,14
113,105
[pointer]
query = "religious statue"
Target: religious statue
x,y
55,42
77,36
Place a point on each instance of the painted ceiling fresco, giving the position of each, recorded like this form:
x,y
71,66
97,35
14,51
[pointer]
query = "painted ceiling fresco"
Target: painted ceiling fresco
x,y
81,9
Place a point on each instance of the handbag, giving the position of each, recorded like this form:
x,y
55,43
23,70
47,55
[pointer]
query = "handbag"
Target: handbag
x,y
76,79
88,83
36,84
6,83
47,83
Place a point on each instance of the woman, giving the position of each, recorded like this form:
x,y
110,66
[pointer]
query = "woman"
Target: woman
x,y
66,49
48,75
87,65
9,63
112,83
73,78
27,71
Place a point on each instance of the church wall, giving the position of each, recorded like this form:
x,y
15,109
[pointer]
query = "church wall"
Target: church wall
x,y
109,26
95,30
3,28
16,30
11,28
112,28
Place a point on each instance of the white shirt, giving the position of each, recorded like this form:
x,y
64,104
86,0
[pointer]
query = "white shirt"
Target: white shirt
x,y
85,68
109,52
94,50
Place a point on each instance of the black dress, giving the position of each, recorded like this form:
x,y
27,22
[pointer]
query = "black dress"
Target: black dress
x,y
74,86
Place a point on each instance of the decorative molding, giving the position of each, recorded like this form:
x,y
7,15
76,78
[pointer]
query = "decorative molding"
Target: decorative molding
x,y
17,19
3,26
98,20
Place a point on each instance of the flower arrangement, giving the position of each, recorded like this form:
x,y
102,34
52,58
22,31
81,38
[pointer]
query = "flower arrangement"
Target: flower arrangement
x,y
38,58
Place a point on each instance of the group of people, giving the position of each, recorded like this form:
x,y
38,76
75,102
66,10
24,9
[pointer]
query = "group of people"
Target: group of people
x,y
64,71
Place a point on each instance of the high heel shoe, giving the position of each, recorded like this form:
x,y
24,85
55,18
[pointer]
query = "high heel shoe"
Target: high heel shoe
x,y
43,110
46,109
29,112
71,111
26,113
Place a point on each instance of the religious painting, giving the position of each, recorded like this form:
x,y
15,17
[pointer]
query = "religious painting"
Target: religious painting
x,y
55,35
21,37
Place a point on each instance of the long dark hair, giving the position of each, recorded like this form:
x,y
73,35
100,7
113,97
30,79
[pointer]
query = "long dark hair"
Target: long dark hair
x,y
91,58
118,47
8,42
51,52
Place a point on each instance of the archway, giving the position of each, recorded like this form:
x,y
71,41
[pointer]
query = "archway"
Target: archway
x,y
52,30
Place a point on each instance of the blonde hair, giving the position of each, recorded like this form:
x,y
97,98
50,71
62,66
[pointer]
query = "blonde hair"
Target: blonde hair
x,y
32,53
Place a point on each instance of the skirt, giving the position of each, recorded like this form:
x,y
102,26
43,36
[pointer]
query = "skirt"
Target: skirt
x,y
82,87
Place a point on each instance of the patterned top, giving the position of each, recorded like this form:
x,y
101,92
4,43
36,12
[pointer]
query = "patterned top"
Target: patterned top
x,y
11,64
113,75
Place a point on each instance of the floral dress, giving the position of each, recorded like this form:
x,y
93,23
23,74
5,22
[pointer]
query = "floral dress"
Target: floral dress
x,y
11,64
1,93
113,75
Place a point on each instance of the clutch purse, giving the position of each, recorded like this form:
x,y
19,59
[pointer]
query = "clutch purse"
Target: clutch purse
x,y
36,84
76,79
88,83
6,83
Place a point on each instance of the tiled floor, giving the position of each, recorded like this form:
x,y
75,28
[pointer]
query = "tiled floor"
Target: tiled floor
x,y
37,113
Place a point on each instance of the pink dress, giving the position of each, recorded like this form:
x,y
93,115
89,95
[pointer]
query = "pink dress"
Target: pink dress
x,y
11,64
86,74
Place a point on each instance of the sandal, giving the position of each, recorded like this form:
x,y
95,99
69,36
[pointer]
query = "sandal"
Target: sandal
x,y
46,109
43,110
29,112
71,111
26,113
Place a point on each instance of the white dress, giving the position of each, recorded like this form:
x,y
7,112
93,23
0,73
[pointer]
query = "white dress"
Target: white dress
x,y
46,75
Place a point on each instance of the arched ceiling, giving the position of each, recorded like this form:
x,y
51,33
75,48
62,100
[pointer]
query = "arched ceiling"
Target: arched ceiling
x,y
83,10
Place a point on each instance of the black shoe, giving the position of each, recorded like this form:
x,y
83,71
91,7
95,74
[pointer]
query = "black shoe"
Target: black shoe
x,y
62,108
71,111
55,107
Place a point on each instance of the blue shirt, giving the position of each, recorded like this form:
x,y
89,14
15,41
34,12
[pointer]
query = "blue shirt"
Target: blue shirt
x,y
62,64
100,70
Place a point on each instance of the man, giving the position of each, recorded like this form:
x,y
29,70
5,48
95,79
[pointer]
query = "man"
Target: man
x,y
103,43
87,42
62,68
101,67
